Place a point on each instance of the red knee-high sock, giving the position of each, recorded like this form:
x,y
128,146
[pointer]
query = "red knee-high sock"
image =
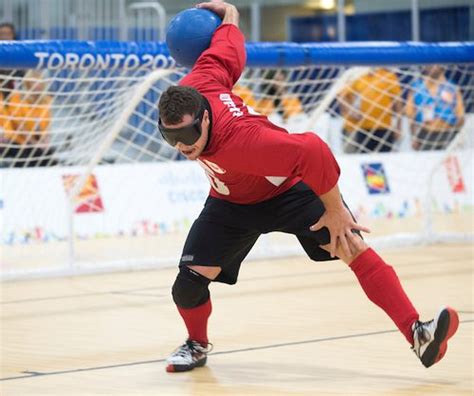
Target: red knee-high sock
x,y
196,321
382,286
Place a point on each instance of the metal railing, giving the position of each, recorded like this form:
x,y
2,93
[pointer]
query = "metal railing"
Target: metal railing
x,y
85,19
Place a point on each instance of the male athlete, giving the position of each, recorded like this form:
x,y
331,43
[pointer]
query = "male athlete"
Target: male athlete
x,y
264,179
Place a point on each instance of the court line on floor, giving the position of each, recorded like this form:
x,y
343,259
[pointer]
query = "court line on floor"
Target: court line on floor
x,y
36,374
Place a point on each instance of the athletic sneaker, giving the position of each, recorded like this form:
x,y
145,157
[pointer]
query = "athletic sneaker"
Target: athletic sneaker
x,y
188,356
430,339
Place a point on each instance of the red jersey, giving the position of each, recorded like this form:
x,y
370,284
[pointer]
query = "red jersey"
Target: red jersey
x,y
248,159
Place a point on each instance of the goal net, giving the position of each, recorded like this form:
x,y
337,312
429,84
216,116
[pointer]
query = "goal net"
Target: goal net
x,y
88,184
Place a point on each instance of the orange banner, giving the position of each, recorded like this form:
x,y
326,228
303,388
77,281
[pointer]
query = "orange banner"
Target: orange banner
x,y
88,200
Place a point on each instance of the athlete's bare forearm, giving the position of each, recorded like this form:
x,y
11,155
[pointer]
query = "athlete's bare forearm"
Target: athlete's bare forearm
x,y
332,199
338,221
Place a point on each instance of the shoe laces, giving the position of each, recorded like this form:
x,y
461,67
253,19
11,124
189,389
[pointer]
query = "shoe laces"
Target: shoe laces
x,y
421,331
191,347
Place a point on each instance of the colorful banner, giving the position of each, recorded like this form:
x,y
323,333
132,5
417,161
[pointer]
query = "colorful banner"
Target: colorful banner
x,y
88,200
375,178
453,169
163,198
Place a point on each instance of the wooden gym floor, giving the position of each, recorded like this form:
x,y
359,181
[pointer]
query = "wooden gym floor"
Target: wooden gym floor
x,y
289,327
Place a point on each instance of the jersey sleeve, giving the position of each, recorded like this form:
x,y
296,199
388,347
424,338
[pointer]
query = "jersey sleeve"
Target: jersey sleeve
x,y
269,153
223,61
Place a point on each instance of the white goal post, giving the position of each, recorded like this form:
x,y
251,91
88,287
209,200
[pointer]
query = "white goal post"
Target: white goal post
x,y
88,185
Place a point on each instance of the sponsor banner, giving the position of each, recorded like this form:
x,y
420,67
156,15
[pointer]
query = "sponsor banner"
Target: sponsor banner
x,y
395,185
162,198
455,177
375,178
136,199
88,200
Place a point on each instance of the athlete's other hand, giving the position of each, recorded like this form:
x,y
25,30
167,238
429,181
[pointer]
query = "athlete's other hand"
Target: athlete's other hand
x,y
340,224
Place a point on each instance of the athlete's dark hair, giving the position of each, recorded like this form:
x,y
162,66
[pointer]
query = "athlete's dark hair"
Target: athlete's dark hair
x,y
177,101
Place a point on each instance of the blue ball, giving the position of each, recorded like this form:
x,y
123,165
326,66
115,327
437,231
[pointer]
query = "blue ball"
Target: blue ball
x,y
189,34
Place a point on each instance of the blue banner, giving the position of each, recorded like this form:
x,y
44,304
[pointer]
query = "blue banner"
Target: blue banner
x,y
150,55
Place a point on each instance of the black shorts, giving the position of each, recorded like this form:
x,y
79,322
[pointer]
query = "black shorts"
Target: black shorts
x,y
225,232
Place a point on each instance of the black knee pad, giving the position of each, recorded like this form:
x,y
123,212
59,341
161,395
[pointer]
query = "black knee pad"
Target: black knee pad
x,y
190,289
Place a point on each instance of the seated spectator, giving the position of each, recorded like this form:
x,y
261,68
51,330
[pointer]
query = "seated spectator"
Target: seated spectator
x,y
7,81
245,94
265,106
371,108
29,113
435,109
291,106
8,77
277,98
5,124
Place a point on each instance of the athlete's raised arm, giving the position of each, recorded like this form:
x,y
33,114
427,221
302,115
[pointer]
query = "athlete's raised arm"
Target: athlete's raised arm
x,y
225,59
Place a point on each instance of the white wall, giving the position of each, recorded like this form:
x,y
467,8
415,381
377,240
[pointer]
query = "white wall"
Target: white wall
x,y
163,198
